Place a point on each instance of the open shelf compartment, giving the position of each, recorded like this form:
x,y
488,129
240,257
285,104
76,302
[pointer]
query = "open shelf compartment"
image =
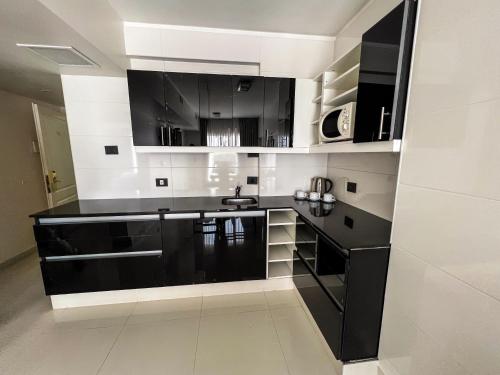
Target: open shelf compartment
x,y
278,235
281,218
280,269
281,253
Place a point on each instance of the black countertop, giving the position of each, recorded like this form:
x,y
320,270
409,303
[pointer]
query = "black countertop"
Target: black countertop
x,y
346,225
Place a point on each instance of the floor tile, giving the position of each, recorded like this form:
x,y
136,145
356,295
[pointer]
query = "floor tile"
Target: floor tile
x,y
155,348
278,299
233,303
166,310
304,352
92,316
64,352
239,343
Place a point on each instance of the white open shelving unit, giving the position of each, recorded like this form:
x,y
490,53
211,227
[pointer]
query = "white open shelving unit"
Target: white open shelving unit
x,y
339,82
281,228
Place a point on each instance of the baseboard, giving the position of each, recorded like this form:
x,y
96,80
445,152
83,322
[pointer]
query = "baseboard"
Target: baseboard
x,y
17,257
63,301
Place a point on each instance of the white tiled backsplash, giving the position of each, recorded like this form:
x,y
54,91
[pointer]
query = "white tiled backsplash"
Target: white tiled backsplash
x,y
375,175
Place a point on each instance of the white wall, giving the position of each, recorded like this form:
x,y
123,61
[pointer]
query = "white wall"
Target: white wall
x,y
21,188
283,174
442,310
369,15
375,175
275,54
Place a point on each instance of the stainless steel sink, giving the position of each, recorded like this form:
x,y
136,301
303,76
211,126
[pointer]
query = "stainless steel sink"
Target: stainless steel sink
x,y
242,201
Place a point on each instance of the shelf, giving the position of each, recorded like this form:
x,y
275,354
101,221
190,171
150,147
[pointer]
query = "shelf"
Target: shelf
x,y
280,253
318,78
346,97
350,147
317,99
279,269
304,236
279,236
308,251
346,61
280,218
346,80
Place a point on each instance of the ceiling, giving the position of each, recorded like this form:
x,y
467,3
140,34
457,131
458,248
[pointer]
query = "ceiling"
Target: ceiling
x,y
319,17
24,73
95,27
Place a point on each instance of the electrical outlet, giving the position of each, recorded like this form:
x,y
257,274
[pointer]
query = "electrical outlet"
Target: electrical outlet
x,y
111,150
252,180
351,187
348,222
162,182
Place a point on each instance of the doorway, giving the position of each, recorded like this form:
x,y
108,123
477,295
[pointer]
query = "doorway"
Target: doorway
x,y
55,154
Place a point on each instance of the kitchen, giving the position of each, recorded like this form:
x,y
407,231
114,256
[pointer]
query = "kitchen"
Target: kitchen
x,y
233,165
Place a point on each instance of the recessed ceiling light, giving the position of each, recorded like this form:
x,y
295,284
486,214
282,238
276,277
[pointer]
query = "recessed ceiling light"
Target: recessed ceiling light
x,y
61,55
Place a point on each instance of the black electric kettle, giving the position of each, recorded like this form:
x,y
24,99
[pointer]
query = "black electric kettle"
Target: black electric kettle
x,y
321,185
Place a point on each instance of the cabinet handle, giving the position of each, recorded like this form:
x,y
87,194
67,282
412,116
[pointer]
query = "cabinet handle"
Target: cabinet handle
x,y
236,214
129,254
96,219
182,216
383,113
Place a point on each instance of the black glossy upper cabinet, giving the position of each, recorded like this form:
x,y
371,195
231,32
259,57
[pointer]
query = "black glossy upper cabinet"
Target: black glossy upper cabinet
x,y
147,106
182,108
188,109
278,112
248,110
383,75
216,110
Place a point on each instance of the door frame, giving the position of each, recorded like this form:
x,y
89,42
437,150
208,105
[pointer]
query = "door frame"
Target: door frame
x,y
43,159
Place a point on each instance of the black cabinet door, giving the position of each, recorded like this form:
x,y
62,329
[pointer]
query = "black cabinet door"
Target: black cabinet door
x,y
383,75
248,110
326,314
216,111
98,237
277,129
103,273
147,106
182,104
234,249
183,250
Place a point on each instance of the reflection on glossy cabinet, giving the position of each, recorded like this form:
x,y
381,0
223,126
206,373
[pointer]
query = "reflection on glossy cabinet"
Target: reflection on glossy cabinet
x,y
147,106
187,109
278,112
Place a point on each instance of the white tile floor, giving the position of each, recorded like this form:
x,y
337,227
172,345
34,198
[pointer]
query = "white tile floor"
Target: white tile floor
x,y
254,333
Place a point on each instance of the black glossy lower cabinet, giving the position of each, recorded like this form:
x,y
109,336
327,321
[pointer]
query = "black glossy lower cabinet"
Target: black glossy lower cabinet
x,y
221,247
111,272
90,254
344,291
234,247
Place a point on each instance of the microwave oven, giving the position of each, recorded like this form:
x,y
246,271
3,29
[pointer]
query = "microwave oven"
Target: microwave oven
x,y
337,124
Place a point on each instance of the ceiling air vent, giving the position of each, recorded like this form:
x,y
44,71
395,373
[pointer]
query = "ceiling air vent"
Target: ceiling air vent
x,y
61,55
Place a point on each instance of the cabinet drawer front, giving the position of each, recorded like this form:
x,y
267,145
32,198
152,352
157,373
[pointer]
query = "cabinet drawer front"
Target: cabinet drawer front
x,y
327,316
47,232
93,275
97,245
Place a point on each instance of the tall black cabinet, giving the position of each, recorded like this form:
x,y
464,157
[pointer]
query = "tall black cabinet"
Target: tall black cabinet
x,y
383,75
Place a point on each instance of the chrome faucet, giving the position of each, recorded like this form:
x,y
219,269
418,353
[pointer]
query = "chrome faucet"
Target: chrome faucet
x,y
237,191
